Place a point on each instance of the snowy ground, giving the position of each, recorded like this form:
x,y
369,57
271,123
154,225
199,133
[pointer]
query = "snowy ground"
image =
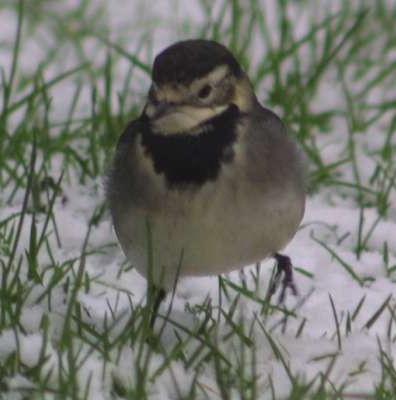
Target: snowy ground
x,y
66,321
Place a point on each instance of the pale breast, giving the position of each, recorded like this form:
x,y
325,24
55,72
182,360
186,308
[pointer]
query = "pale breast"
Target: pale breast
x,y
218,227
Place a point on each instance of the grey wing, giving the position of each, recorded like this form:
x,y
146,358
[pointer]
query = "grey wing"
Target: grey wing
x,y
119,180
129,135
275,156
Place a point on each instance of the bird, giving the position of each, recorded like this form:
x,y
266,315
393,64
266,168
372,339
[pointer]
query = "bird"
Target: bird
x,y
206,180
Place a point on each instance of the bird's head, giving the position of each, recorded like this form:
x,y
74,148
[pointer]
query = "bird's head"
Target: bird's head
x,y
194,81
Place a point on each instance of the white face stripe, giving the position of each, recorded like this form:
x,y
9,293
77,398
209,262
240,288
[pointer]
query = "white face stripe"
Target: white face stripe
x,y
217,74
213,78
183,117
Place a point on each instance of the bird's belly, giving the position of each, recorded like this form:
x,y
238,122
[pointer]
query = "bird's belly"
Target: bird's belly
x,y
208,232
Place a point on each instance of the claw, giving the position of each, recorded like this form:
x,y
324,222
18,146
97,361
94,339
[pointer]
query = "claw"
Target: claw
x,y
159,296
284,266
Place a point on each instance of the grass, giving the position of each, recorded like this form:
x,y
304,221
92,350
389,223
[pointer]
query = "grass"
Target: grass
x,y
48,158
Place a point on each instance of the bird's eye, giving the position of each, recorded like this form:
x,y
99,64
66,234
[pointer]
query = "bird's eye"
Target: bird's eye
x,y
205,92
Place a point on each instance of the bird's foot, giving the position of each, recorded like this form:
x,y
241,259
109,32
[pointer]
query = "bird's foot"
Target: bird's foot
x,y
284,266
155,296
159,295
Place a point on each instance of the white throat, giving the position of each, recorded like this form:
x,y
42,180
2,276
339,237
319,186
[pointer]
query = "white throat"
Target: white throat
x,y
186,119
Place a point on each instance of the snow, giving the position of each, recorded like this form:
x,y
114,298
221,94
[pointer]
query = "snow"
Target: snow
x,y
331,217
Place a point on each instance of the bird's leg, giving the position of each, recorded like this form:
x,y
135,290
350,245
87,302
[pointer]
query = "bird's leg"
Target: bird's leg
x,y
284,265
158,294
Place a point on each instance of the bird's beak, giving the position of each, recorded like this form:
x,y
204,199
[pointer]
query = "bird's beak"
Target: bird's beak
x,y
158,110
